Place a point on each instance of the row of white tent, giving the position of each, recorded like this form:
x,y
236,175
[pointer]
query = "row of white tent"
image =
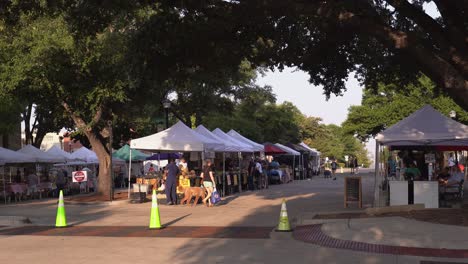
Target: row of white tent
x,y
31,154
181,138
178,138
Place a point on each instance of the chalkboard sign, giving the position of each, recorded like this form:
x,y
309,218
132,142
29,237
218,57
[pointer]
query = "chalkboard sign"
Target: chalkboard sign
x,y
352,191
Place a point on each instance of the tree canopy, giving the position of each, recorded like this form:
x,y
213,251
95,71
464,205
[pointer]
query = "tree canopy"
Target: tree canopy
x,y
381,41
391,104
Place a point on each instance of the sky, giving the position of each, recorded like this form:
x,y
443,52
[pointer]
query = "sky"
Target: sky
x,y
293,86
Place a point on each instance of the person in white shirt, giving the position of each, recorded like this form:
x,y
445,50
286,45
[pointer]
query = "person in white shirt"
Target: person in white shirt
x,y
183,162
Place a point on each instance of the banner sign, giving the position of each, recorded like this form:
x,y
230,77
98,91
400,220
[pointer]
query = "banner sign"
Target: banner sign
x,y
80,176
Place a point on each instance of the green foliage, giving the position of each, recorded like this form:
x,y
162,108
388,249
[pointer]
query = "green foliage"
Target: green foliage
x,y
9,113
256,116
332,142
390,105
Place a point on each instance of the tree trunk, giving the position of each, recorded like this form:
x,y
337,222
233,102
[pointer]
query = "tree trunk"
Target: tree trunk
x,y
104,180
27,125
103,154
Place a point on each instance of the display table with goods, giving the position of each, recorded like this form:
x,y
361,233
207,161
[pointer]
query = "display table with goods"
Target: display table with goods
x,y
418,150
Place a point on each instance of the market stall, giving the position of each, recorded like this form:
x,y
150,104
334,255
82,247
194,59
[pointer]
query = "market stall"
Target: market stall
x,y
177,138
420,139
228,147
242,177
10,157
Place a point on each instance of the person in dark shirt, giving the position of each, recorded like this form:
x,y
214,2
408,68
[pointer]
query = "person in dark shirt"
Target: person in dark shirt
x,y
208,181
444,174
171,180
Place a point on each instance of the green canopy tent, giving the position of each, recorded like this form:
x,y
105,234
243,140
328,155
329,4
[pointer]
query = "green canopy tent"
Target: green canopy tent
x,y
124,153
135,156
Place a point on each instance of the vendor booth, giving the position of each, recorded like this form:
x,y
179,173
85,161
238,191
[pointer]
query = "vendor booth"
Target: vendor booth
x,y
178,138
420,142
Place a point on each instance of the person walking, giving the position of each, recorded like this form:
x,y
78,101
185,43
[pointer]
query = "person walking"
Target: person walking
x,y
334,166
171,182
208,181
356,165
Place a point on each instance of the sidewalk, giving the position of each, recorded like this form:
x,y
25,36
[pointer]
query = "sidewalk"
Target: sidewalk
x,y
386,235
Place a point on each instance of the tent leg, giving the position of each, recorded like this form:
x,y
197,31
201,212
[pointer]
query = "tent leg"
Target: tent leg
x,y
294,167
376,177
240,173
129,171
224,174
4,186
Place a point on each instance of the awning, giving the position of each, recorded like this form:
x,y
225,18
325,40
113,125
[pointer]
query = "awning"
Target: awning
x,y
272,149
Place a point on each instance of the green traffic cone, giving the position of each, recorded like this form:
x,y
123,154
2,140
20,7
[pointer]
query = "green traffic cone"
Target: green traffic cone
x,y
283,225
61,220
155,221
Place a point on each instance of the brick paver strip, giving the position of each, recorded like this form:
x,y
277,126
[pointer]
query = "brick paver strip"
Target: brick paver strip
x,y
140,231
313,234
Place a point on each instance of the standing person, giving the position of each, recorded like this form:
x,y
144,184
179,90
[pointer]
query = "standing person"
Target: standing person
x,y
171,182
151,168
251,171
60,181
356,165
392,166
258,170
33,181
351,164
183,162
334,166
208,181
18,176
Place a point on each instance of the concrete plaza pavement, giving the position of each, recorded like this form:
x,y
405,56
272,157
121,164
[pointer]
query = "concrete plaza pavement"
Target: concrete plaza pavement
x,y
259,208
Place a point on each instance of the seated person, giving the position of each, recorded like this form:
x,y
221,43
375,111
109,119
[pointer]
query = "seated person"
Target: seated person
x,y
455,178
443,175
412,172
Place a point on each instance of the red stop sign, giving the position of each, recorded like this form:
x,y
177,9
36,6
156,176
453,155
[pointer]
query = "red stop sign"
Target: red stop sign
x,y
79,176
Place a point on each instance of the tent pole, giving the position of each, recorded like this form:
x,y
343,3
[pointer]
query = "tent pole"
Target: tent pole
x,y
4,186
224,173
376,186
240,172
294,167
129,170
159,161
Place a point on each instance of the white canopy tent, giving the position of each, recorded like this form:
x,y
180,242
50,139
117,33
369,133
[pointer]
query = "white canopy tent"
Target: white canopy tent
x,y
426,127
179,137
241,146
9,156
225,147
57,152
84,155
39,155
12,157
228,147
255,146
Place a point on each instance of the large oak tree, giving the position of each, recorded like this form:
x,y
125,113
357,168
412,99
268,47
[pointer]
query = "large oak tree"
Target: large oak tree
x,y
379,40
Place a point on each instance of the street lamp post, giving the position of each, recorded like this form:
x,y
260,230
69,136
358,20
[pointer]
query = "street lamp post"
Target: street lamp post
x,y
167,105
